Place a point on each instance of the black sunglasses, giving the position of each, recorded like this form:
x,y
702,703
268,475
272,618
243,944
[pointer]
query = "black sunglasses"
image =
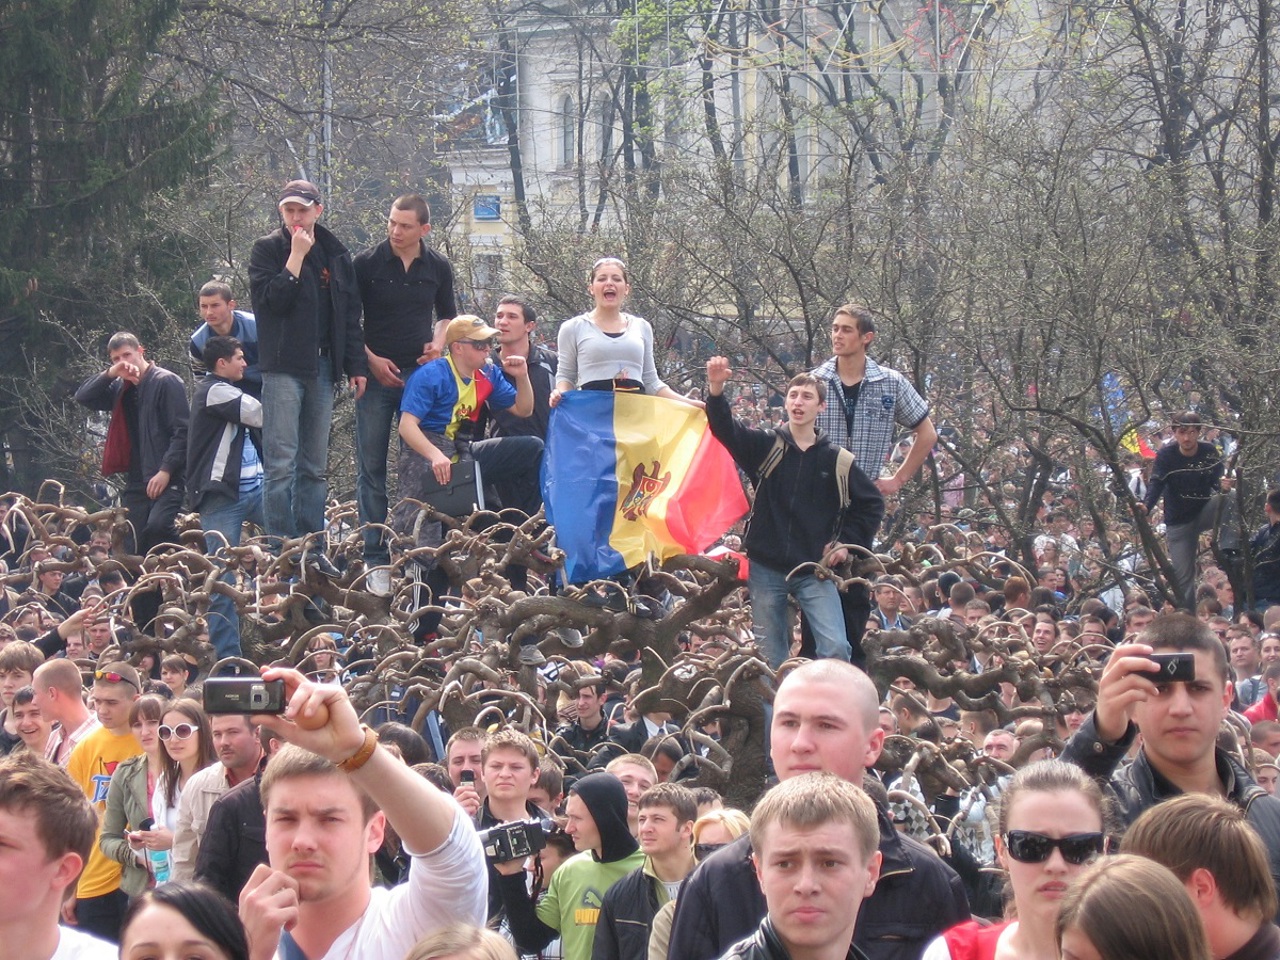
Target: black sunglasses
x,y
1027,847
703,850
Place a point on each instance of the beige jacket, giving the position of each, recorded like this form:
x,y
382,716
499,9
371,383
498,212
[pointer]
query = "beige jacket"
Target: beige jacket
x,y
198,797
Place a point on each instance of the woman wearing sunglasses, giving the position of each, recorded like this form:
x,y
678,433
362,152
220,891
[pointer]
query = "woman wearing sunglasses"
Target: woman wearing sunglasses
x,y
123,838
1051,826
187,742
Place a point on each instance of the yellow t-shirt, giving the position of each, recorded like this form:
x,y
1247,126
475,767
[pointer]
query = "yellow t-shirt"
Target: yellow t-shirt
x,y
91,765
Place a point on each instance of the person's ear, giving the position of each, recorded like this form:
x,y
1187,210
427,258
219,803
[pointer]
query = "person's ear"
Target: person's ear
x,y
1203,887
69,867
375,831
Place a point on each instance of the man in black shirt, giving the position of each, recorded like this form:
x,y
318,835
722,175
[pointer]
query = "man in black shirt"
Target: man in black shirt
x,y
515,320
405,286
1186,474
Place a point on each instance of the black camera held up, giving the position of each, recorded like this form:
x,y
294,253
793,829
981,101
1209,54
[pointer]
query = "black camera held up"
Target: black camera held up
x,y
516,840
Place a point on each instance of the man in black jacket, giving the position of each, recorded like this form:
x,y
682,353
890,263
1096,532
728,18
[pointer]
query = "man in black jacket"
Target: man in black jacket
x,y
1179,721
825,719
235,836
224,469
307,304
405,287
815,854
667,812
153,403
147,440
808,499
1265,548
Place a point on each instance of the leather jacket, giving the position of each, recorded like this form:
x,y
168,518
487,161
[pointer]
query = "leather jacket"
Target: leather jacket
x,y
765,945
1139,785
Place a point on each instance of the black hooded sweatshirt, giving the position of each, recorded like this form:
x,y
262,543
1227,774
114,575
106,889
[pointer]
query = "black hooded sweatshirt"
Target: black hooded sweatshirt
x,y
583,880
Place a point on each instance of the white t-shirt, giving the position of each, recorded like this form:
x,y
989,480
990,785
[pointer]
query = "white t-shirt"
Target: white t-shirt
x,y
77,945
451,883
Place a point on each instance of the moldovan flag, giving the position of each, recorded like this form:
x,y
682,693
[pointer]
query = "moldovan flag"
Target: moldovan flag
x,y
626,476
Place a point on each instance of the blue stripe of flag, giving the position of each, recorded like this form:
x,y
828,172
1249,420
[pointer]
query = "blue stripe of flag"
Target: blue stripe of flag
x,y
580,483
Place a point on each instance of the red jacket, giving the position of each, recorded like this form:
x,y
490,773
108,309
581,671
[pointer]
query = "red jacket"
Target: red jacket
x,y
1264,709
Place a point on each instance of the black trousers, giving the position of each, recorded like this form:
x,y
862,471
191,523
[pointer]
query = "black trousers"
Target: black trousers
x,y
102,916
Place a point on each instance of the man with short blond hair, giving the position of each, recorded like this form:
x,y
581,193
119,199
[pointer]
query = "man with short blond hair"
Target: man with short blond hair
x,y
509,771
329,797
99,904
823,829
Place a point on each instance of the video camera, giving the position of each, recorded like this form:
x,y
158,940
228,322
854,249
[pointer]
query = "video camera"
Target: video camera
x,y
517,839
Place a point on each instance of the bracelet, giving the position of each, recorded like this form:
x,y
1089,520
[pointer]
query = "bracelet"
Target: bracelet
x,y
361,756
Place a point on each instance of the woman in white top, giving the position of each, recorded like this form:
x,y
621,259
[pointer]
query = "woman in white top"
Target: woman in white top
x,y
607,349
187,738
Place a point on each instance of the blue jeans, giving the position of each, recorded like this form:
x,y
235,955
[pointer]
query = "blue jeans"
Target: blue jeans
x,y
375,413
296,415
227,517
820,601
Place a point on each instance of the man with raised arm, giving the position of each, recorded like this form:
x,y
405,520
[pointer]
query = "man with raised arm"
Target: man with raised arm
x,y
328,796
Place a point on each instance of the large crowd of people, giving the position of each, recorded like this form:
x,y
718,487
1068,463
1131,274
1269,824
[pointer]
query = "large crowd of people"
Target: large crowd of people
x,y
961,757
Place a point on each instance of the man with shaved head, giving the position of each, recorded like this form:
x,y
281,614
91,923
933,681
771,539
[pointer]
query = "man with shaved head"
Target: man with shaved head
x,y
825,719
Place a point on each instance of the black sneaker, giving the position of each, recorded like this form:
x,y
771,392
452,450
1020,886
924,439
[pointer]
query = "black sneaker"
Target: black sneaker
x,y
321,564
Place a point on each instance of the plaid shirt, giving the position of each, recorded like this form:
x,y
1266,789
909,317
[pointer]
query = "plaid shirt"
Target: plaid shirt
x,y
887,400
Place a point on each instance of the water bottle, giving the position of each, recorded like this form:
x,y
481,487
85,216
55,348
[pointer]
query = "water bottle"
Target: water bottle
x,y
157,860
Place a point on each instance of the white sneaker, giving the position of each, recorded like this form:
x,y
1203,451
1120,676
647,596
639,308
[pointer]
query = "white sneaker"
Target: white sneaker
x,y
378,582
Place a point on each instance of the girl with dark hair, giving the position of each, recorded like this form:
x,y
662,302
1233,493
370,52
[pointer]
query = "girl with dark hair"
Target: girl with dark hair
x,y
187,739
1051,825
182,920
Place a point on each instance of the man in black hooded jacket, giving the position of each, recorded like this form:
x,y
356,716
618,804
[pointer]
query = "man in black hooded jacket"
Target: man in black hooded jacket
x,y
597,822
810,497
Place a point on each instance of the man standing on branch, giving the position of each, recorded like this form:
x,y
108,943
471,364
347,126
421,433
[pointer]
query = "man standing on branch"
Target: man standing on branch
x,y
867,404
307,304
146,440
1187,474
224,470
404,285
810,496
